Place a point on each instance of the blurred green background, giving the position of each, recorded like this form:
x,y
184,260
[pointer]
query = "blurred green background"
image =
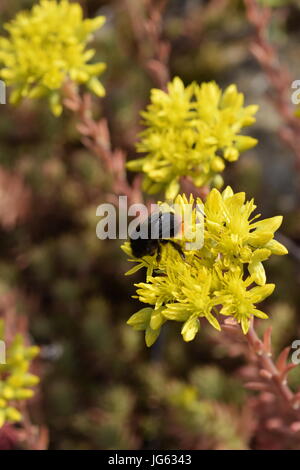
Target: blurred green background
x,y
101,387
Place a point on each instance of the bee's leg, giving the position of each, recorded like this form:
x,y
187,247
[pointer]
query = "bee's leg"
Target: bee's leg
x,y
176,246
178,249
158,253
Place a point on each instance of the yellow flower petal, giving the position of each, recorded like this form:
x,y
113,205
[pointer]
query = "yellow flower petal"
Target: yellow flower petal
x,y
190,328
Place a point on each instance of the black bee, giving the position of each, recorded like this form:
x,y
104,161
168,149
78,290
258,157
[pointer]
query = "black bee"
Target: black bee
x,y
156,230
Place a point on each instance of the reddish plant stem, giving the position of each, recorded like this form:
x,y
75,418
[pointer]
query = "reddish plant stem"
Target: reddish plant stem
x,y
153,52
265,360
275,405
95,136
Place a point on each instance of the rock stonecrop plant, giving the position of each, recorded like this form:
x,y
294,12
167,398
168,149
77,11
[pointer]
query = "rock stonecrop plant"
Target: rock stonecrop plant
x,y
47,46
191,132
223,277
16,381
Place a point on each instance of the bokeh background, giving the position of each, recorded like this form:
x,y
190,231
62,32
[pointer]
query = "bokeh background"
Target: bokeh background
x,y
101,388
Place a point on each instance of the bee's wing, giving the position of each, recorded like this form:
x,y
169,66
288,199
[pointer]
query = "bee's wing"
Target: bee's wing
x,y
159,225
154,225
169,225
148,226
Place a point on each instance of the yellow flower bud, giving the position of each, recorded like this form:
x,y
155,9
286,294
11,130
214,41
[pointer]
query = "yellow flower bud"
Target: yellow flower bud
x,y
218,181
151,336
12,414
276,248
140,319
244,142
2,403
172,190
258,273
190,328
2,418
32,352
8,392
231,154
24,394
157,319
217,164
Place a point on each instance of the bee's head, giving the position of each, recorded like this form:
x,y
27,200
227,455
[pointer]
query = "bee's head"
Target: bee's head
x,y
141,247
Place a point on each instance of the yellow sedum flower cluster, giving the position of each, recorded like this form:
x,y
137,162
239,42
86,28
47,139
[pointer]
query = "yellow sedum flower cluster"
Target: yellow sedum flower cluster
x,y
191,131
223,277
15,379
46,46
